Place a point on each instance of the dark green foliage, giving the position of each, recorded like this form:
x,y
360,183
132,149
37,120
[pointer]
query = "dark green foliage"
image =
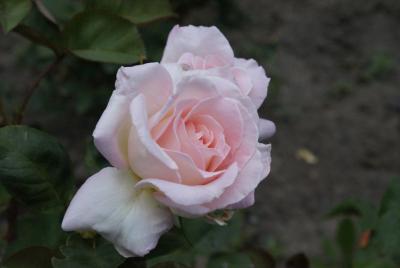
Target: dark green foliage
x,y
32,257
234,260
372,237
138,12
38,228
102,31
99,36
345,237
388,230
85,253
13,12
34,167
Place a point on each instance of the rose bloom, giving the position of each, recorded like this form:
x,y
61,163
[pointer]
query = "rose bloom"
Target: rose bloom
x,y
182,137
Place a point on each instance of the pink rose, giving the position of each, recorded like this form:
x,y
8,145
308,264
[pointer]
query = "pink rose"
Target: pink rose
x,y
182,137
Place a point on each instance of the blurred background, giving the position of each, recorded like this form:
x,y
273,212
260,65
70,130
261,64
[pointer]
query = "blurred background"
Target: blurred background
x,y
334,96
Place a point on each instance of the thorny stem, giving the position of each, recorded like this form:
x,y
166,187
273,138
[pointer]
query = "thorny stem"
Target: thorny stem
x,y
33,86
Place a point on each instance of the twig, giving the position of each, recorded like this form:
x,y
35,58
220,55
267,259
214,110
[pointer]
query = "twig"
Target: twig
x,y
31,89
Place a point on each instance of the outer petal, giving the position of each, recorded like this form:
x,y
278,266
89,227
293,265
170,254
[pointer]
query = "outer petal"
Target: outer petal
x,y
111,131
187,195
244,203
258,78
151,79
109,204
267,128
248,179
238,194
200,41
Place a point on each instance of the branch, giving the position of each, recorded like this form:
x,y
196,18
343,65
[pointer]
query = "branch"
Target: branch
x,y
34,85
36,37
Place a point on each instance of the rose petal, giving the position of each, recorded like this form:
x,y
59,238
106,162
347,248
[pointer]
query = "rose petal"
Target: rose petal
x,y
248,179
190,173
200,41
187,195
236,194
109,204
244,203
111,131
267,128
146,158
243,80
150,79
227,113
259,79
248,140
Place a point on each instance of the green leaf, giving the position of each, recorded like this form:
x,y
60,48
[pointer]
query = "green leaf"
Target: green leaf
x,y
196,237
392,195
386,238
81,253
138,12
27,235
41,31
33,257
168,243
5,197
143,11
172,246
62,10
34,167
13,12
233,260
210,238
99,36
346,239
365,211
346,208
387,234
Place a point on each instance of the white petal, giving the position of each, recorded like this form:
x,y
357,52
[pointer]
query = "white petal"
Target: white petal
x,y
111,131
109,204
200,41
150,79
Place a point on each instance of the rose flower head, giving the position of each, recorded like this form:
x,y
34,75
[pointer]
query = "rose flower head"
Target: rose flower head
x,y
182,137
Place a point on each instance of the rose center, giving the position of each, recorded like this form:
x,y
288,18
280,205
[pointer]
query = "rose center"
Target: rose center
x,y
200,134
